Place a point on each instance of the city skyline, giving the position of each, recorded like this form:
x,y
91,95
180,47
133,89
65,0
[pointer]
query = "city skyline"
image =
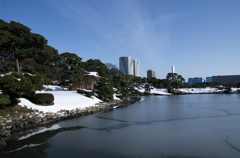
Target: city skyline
x,y
201,38
129,66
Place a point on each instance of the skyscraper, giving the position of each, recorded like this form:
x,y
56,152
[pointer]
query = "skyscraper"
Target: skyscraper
x,y
136,67
129,66
173,69
151,73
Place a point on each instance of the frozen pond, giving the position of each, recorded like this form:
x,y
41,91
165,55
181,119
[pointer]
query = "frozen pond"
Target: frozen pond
x,y
187,126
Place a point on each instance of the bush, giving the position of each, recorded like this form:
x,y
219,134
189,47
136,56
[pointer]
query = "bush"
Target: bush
x,y
80,91
43,98
88,94
170,90
4,99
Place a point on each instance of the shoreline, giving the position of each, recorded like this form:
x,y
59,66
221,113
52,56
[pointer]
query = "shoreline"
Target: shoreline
x,y
15,124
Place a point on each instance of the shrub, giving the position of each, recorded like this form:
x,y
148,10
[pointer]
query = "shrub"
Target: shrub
x,y
80,91
4,99
146,93
89,94
42,98
170,90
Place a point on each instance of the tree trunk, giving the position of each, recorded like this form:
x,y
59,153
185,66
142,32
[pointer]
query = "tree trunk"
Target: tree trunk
x,y
17,65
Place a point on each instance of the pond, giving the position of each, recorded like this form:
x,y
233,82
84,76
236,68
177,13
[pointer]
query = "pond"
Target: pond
x,y
183,126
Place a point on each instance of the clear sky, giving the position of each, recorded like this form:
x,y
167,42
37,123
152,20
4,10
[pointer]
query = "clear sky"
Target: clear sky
x,y
200,37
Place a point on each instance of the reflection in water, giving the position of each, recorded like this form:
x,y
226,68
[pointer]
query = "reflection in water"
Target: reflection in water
x,y
193,126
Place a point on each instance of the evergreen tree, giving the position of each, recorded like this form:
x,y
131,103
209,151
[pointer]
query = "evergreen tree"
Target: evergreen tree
x,y
72,68
17,43
105,89
175,80
97,66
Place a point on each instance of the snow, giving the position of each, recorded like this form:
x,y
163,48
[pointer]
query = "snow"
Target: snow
x,y
44,129
187,90
160,91
199,90
53,88
63,100
155,91
95,74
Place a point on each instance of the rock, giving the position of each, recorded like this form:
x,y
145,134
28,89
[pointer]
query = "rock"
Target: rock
x,y
27,114
2,143
15,119
9,127
1,120
14,115
15,112
8,121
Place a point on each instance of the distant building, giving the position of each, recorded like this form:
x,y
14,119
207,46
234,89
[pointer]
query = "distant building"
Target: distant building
x,y
136,67
129,66
126,65
208,79
151,73
226,79
195,80
173,69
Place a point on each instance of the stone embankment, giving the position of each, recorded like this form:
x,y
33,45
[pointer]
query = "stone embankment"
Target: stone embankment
x,y
18,121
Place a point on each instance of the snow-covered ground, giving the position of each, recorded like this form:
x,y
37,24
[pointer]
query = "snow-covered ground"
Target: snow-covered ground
x,y
204,90
199,90
155,91
160,91
188,90
63,100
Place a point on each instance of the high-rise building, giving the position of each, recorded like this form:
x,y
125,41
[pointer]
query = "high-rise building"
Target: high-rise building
x,y
173,69
129,66
136,67
151,73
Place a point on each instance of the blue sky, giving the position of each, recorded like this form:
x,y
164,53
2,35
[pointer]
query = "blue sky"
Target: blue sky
x,y
200,37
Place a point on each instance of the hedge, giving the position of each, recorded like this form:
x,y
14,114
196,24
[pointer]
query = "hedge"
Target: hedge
x,y
88,94
42,98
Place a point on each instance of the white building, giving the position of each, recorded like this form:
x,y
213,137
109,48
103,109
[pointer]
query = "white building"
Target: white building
x,y
173,69
129,66
136,67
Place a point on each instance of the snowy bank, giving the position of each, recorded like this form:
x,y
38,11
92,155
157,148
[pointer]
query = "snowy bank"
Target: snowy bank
x,y
63,100
206,90
155,91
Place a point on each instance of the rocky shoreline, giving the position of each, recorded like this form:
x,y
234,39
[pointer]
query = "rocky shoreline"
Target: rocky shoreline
x,y
16,122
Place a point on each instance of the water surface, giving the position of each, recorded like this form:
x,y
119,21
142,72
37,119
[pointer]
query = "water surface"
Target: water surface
x,y
189,126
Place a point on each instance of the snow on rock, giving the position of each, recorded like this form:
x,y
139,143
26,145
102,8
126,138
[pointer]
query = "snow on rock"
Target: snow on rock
x,y
63,100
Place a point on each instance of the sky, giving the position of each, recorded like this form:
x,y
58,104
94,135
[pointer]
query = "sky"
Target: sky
x,y
200,38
